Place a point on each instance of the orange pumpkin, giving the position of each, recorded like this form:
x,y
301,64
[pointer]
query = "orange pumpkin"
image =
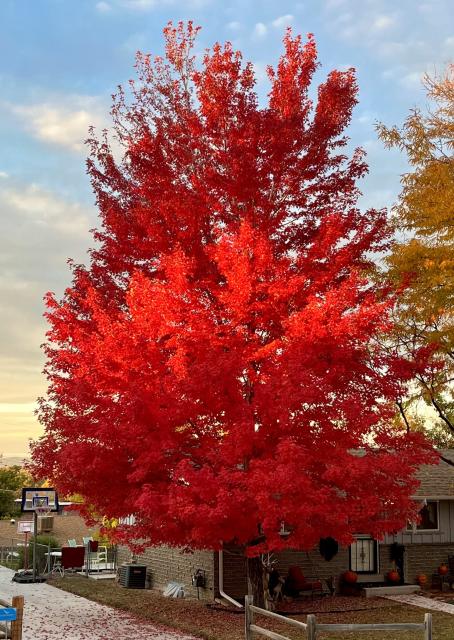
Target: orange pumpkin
x,y
393,576
421,579
443,569
350,577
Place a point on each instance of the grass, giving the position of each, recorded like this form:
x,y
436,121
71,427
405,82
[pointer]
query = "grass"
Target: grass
x,y
14,564
200,620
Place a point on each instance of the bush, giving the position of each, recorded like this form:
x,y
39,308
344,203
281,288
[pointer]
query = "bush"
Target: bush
x,y
43,542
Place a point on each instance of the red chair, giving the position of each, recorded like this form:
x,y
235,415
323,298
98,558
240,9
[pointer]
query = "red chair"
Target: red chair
x,y
296,583
72,557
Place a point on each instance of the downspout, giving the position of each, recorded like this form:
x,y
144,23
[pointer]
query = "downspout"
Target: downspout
x,y
221,582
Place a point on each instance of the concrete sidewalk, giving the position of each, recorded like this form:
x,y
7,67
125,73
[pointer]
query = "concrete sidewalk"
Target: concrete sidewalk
x,y
52,614
425,603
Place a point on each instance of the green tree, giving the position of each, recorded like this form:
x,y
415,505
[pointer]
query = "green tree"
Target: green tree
x,y
12,479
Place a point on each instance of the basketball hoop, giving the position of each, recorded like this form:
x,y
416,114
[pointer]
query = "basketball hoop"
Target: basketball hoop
x,y
42,510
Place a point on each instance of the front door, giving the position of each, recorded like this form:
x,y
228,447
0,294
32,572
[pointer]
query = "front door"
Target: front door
x,y
364,555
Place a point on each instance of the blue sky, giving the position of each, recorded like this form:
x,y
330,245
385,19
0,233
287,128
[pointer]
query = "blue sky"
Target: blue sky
x,y
62,59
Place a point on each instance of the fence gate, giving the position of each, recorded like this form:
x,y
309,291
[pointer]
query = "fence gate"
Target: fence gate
x,y
311,627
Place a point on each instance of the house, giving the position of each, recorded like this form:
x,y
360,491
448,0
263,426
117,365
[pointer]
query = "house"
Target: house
x,y
64,525
419,548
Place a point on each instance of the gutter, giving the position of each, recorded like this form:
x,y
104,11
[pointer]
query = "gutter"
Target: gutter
x,y
221,582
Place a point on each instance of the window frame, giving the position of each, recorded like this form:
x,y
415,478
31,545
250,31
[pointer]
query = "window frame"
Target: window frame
x,y
376,555
412,527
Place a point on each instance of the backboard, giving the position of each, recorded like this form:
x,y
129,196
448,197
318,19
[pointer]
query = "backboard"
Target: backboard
x,y
39,499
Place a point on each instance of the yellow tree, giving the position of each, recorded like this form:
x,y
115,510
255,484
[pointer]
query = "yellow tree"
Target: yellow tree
x,y
423,255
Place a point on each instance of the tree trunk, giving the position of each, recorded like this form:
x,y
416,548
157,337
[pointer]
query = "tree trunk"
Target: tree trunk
x,y
256,580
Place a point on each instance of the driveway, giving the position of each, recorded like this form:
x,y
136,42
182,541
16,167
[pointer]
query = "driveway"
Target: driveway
x,y
52,614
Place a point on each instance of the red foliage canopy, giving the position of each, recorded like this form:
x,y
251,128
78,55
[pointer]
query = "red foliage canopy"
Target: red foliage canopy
x,y
215,369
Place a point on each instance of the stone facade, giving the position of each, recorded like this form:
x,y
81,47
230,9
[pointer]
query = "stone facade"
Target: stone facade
x,y
168,564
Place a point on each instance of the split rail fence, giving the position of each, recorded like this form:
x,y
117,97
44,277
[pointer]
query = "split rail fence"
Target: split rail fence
x,y
311,627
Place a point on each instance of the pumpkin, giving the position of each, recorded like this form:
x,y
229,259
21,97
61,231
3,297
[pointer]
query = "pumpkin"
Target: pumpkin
x,y
350,577
421,579
393,576
443,569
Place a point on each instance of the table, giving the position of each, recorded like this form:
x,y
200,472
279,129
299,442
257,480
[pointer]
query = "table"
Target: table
x,y
53,565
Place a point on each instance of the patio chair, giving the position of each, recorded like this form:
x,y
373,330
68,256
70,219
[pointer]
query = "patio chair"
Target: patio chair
x,y
72,558
97,555
296,583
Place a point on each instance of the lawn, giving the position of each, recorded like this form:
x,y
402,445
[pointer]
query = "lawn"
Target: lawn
x,y
203,621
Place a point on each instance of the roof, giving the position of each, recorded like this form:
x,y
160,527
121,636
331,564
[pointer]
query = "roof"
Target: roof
x,y
437,481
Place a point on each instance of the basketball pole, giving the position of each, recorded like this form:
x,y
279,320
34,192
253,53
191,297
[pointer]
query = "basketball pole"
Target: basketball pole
x,y
35,532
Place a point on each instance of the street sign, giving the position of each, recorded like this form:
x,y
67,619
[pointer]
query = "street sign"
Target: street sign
x,y
7,614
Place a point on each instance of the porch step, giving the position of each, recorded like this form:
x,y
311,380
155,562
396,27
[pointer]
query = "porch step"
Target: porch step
x,y
375,592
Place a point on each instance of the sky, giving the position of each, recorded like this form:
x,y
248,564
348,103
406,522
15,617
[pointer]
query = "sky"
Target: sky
x,y
60,62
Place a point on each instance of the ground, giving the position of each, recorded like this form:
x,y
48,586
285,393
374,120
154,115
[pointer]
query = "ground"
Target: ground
x,y
109,612
53,614
196,618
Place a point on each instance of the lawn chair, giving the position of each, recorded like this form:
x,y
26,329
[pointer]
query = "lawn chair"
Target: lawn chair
x,y
296,584
97,555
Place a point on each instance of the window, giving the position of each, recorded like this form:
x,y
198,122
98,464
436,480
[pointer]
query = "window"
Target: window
x,y
428,518
364,555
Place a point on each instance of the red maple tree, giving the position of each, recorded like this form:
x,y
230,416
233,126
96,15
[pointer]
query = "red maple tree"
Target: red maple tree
x,y
214,369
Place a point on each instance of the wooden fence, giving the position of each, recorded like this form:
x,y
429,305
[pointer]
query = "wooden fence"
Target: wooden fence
x,y
311,627
16,626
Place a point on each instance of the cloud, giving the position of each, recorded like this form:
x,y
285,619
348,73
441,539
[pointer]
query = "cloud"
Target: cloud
x,y
40,231
44,209
64,121
260,31
234,26
3,175
408,37
103,7
149,5
283,21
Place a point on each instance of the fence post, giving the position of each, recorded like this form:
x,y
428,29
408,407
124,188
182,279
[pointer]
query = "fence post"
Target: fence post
x,y
16,625
428,626
248,617
311,627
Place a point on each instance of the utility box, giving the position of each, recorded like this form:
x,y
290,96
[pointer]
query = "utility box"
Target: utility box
x,y
45,524
133,576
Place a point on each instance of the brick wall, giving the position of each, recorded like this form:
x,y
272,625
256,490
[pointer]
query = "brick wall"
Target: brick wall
x,y
425,558
167,564
311,564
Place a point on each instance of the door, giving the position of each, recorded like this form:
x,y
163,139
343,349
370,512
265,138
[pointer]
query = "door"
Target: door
x,y
364,555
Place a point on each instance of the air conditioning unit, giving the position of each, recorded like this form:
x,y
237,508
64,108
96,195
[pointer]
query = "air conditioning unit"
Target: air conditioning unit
x,y
45,524
133,576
